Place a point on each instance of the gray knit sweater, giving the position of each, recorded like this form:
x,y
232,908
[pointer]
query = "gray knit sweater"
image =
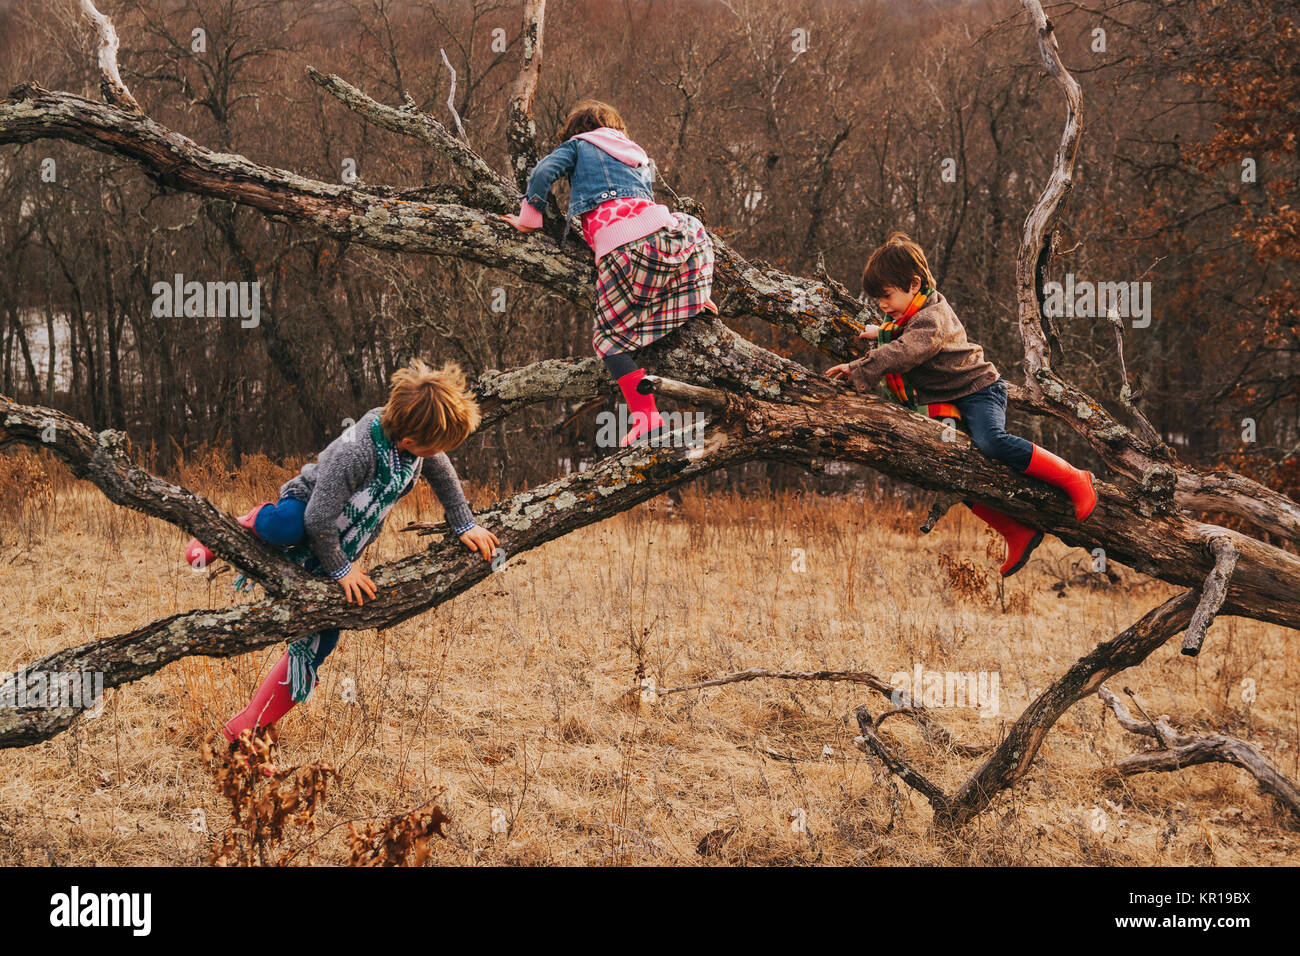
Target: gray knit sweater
x,y
347,464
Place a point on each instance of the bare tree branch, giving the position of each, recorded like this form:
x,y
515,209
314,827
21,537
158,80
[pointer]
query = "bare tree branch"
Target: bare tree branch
x,y
1144,458
103,460
451,97
1212,594
1178,750
755,673
1011,759
406,587
111,86
486,187
1126,395
869,742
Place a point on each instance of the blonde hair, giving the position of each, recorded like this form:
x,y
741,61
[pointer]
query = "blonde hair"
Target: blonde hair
x,y
895,263
432,407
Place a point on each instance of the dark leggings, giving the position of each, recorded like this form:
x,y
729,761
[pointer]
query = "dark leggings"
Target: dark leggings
x,y
328,641
281,525
620,364
985,415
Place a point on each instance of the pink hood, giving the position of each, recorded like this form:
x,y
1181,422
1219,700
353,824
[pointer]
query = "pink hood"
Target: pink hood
x,y
616,144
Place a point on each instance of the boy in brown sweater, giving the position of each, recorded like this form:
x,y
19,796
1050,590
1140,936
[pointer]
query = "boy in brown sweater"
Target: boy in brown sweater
x,y
927,362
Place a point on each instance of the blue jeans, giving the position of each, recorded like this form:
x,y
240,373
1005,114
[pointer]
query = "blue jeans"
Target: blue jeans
x,y
985,414
281,525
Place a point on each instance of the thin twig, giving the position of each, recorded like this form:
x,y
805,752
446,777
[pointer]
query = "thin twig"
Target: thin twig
x,y
451,97
1126,394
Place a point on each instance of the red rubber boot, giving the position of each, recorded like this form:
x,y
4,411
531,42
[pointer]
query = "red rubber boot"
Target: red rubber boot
x,y
197,554
642,411
1076,483
271,702
1021,539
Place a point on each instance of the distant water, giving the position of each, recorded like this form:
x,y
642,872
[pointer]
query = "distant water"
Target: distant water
x,y
38,341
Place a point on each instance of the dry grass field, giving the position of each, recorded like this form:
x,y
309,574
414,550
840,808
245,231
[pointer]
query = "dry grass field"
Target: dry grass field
x,y
514,696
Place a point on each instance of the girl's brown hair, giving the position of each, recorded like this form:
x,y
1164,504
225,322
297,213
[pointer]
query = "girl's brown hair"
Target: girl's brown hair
x,y
432,407
588,115
894,264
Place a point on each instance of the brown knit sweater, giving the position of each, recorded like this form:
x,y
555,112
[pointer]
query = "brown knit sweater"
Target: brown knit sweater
x,y
933,351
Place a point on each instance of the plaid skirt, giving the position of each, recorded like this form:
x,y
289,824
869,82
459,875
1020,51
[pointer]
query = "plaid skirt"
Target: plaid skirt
x,y
648,287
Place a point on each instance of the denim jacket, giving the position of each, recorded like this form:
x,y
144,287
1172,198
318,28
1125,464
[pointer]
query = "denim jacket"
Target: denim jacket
x,y
594,177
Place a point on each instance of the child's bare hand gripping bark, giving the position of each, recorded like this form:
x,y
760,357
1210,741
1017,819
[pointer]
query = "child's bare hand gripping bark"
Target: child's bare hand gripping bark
x,y
481,540
869,334
355,583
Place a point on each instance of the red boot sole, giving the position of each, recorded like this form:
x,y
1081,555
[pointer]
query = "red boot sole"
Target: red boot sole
x,y
1034,542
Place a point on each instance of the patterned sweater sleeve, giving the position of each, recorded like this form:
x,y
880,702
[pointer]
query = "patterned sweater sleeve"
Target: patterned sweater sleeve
x,y
442,478
342,468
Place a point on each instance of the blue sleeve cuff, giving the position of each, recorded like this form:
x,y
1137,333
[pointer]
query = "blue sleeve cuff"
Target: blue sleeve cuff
x,y
341,572
462,528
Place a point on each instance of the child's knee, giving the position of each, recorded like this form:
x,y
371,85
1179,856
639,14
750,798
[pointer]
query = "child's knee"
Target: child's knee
x,y
280,534
997,444
1008,449
281,525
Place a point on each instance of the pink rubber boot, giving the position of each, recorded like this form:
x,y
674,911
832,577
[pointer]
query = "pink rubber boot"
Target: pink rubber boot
x,y
197,554
642,411
271,702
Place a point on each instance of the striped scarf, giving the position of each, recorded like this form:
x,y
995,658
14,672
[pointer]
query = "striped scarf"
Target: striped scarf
x,y
899,385
359,523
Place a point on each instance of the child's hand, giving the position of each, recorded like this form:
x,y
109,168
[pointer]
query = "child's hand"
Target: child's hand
x,y
870,332
837,372
355,583
481,540
514,221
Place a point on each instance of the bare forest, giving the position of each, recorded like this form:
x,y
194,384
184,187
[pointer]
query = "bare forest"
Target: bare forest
x,y
677,655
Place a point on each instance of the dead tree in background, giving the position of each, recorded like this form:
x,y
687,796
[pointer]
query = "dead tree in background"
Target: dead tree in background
x,y
761,406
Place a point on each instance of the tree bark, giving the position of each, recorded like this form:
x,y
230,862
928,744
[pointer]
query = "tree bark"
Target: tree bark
x,y
762,406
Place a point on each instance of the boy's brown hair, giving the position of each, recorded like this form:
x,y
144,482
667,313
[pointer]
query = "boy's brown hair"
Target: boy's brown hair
x,y
895,263
431,406
588,115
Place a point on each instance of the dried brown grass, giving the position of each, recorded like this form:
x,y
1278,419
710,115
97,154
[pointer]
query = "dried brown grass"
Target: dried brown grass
x,y
510,703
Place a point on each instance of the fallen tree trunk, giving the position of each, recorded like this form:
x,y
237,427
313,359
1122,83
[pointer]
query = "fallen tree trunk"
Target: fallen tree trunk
x,y
762,406
818,311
